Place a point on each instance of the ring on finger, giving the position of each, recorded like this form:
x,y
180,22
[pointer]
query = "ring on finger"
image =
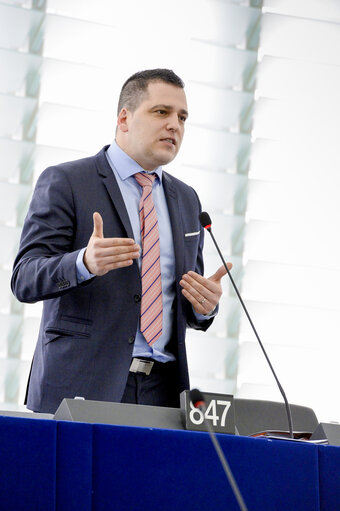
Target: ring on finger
x,y
202,301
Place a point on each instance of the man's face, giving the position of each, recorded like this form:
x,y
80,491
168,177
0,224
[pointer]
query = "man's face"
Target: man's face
x,y
153,133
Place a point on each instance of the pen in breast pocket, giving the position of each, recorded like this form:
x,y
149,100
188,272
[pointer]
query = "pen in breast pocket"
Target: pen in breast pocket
x,y
191,234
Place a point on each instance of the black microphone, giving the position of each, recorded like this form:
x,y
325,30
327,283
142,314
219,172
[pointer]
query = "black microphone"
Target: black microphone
x,y
206,223
197,400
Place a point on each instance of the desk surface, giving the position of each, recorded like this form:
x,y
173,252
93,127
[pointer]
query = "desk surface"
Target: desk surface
x,y
55,465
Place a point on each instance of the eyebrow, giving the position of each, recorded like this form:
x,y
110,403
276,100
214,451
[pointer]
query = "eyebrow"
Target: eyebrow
x,y
169,107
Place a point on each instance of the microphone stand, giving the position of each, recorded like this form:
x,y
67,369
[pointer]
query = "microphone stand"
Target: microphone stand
x,y
289,415
198,402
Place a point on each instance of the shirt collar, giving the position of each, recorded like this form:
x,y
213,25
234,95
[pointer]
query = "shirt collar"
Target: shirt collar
x,y
124,164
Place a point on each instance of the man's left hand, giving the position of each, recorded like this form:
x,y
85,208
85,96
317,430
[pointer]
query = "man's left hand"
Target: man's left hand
x,y
204,294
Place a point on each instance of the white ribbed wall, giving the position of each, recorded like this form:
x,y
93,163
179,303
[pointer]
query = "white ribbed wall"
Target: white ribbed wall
x,y
64,62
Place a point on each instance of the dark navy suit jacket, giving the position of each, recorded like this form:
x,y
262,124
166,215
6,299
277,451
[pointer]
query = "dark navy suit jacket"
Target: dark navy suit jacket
x,y
87,330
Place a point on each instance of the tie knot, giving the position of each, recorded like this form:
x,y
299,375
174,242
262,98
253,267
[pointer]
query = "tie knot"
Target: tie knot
x,y
144,179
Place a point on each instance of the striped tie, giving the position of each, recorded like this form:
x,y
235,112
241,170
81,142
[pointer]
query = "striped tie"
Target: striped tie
x,y
152,306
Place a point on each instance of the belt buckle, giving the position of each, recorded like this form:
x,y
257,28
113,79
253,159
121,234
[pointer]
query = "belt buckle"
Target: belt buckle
x,y
141,366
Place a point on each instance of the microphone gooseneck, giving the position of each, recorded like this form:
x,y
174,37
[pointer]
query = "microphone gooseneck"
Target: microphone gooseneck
x,y
206,224
197,400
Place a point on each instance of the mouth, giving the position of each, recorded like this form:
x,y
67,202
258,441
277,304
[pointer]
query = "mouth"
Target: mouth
x,y
169,140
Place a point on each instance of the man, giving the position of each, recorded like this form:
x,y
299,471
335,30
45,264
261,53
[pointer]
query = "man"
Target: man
x,y
118,290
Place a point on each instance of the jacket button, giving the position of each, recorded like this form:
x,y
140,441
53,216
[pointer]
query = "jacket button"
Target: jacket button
x,y
131,339
137,298
62,284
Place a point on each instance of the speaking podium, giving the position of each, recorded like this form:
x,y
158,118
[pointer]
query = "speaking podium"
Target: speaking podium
x,y
119,414
86,460
251,416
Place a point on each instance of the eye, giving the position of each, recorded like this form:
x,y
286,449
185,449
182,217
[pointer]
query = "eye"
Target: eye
x,y
162,112
182,118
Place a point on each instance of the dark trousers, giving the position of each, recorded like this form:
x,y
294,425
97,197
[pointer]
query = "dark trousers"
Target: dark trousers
x,y
159,388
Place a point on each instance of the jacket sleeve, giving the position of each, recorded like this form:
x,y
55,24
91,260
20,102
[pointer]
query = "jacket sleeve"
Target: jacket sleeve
x,y
45,266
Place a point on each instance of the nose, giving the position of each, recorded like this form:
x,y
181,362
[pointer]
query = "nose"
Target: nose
x,y
173,122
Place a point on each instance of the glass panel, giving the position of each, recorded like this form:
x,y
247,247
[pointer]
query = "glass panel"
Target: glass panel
x,y
94,43
281,36
291,325
45,156
5,293
11,196
25,366
220,150
78,86
16,25
9,249
22,3
286,284
29,337
208,355
267,161
15,155
13,378
223,67
283,78
319,9
222,386
9,325
227,230
218,21
308,364
111,13
294,240
82,130
265,202
18,66
224,23
292,252
15,113
220,109
215,189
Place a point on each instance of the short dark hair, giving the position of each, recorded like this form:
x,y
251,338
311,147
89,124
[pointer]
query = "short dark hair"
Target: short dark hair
x,y
135,86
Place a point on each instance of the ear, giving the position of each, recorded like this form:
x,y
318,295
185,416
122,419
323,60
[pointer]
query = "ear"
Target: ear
x,y
122,120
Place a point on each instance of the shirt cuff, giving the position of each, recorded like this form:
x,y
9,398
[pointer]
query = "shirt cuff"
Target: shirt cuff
x,y
202,317
82,272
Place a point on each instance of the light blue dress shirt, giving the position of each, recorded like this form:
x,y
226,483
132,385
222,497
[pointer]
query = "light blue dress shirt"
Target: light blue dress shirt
x,y
123,168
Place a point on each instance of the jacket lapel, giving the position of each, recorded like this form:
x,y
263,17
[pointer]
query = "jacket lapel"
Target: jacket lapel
x,y
176,223
110,182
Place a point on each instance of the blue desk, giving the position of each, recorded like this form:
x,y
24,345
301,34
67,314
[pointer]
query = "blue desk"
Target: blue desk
x,y
49,465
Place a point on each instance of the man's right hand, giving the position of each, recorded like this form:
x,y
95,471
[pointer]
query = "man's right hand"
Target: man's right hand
x,y
105,254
